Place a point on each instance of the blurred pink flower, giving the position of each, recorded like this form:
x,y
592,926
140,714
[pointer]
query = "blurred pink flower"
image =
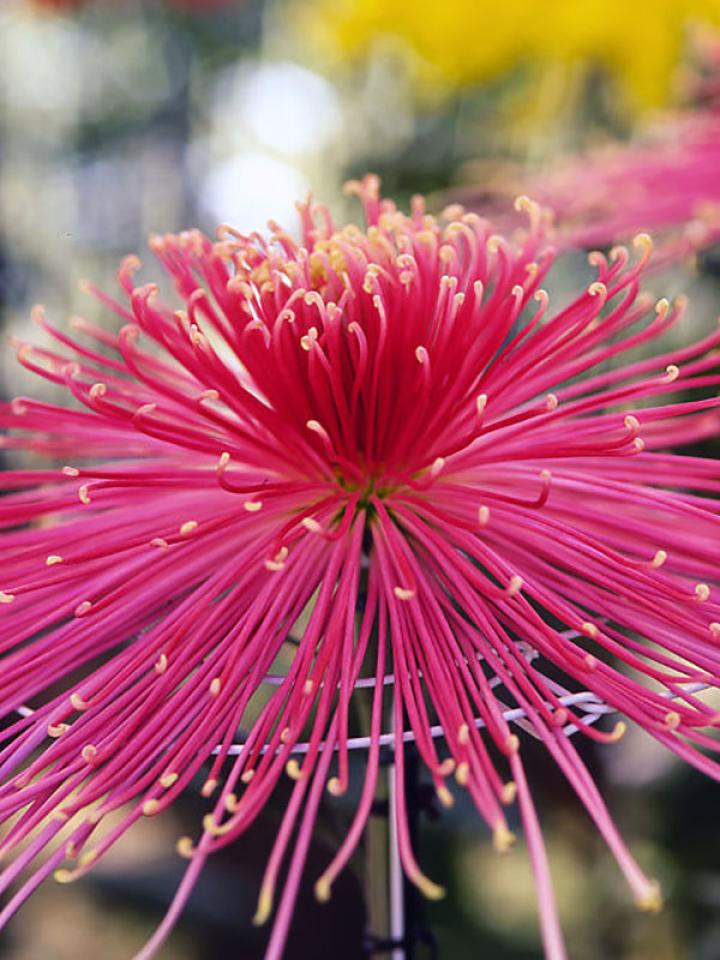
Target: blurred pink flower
x,y
668,182
385,443
665,181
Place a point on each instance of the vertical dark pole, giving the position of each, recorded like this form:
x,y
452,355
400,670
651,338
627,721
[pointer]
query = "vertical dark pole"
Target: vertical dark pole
x,y
413,904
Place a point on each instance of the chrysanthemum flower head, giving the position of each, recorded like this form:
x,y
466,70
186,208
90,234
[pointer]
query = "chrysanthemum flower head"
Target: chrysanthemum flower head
x,y
383,449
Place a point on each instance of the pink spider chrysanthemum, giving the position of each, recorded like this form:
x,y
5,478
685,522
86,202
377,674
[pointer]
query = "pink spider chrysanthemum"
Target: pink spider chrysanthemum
x,y
385,443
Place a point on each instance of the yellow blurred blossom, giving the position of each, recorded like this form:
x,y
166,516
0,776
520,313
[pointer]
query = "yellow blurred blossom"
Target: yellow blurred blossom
x,y
461,43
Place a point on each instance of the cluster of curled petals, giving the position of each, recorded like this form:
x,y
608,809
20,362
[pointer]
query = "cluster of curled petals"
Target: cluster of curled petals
x,y
380,449
665,181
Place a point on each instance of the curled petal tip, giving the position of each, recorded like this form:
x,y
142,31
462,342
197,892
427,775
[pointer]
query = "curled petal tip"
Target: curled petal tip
x,y
503,839
403,593
427,887
185,848
650,900
323,890
264,907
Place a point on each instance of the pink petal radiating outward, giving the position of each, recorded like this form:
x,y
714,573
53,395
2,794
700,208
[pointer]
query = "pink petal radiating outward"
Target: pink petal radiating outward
x,y
386,443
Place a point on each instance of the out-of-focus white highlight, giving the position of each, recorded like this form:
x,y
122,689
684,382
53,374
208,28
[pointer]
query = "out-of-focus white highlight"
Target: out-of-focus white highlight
x,y
248,189
288,108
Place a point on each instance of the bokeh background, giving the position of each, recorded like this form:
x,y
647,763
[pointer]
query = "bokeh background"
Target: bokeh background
x,y
119,119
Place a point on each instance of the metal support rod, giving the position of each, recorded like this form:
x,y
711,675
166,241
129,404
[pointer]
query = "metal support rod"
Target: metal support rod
x,y
395,874
395,906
